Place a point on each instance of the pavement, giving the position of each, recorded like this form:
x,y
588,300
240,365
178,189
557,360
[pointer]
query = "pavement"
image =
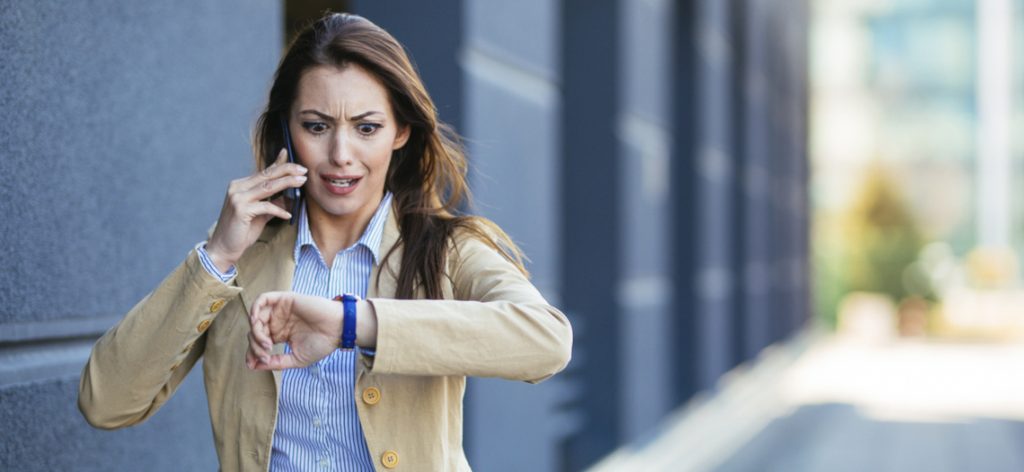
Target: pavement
x,y
821,402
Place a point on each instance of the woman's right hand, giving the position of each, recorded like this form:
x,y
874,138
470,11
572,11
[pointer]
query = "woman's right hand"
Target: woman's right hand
x,y
246,210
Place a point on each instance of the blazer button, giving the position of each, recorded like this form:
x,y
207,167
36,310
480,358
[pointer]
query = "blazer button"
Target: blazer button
x,y
371,396
217,305
389,459
203,325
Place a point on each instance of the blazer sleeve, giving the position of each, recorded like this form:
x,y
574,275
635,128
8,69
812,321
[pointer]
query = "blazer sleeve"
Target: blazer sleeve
x,y
139,363
499,325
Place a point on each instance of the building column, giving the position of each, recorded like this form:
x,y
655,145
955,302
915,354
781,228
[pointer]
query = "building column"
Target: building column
x,y
591,198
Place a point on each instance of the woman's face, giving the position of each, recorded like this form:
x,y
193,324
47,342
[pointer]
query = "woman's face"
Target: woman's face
x,y
343,131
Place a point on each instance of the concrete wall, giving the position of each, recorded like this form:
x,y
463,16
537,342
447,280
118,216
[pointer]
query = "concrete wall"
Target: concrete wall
x,y
124,123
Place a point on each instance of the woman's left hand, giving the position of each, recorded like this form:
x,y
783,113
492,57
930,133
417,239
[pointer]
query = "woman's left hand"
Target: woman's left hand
x,y
310,325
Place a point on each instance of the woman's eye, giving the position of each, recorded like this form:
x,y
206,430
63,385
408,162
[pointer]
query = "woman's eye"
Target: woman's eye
x,y
367,129
315,126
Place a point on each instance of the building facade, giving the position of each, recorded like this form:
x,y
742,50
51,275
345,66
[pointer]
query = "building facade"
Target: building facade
x,y
648,155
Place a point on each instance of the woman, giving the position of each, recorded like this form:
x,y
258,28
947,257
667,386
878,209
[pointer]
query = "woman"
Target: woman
x,y
433,296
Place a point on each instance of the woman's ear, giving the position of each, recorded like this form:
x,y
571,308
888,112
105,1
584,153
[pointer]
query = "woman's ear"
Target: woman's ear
x,y
401,138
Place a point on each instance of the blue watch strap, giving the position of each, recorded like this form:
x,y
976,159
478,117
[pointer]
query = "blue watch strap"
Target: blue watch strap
x,y
348,323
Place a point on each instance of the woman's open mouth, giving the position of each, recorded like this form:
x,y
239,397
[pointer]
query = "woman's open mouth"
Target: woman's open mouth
x,y
340,185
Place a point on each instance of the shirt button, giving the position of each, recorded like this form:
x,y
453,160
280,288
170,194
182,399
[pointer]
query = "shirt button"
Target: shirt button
x,y
314,370
389,459
316,422
371,396
324,463
217,305
203,325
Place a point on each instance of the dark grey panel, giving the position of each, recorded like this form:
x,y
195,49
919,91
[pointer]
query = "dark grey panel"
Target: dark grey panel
x,y
524,32
756,182
516,426
124,123
737,217
645,203
645,138
432,34
646,384
43,431
647,59
512,144
716,170
715,343
592,202
685,195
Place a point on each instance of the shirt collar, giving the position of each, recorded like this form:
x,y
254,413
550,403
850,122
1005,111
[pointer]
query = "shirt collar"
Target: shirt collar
x,y
371,236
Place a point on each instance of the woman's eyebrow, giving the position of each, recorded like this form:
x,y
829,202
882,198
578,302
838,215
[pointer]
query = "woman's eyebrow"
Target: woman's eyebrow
x,y
364,115
322,115
358,117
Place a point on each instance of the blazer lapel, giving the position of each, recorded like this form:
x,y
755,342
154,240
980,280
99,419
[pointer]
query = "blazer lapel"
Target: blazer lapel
x,y
384,280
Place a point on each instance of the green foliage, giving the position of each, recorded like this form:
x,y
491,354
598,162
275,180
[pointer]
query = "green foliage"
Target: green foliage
x,y
869,247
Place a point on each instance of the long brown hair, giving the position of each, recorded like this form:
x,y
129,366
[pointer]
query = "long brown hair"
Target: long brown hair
x,y
427,176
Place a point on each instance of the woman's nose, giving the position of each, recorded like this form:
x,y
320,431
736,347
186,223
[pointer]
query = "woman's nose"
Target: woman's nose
x,y
341,151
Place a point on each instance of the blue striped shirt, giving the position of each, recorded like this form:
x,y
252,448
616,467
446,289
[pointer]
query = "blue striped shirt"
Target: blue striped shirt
x,y
317,421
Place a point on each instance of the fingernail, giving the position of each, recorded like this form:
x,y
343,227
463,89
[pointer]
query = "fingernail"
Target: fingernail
x,y
300,178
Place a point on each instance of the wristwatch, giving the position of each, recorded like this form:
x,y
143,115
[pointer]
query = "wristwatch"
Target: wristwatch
x,y
348,321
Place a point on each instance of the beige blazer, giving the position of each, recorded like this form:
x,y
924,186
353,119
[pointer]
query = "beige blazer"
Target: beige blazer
x,y
492,323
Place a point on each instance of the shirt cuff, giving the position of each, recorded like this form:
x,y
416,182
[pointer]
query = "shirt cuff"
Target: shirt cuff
x,y
368,352
211,267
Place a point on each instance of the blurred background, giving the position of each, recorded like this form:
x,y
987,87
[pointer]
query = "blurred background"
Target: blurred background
x,y
786,232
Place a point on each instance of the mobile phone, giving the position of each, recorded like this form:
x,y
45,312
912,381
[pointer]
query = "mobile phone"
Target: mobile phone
x,y
292,193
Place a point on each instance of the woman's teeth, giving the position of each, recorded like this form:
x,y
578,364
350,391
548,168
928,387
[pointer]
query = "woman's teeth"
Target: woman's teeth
x,y
341,182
